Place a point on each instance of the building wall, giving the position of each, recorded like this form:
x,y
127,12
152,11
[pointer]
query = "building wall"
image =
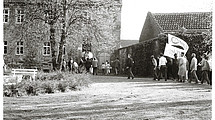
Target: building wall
x,y
33,44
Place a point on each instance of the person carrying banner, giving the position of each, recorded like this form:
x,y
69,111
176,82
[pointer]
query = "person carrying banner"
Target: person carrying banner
x,y
162,67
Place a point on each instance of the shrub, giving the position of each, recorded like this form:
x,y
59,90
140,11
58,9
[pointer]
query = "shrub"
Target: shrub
x,y
49,83
62,86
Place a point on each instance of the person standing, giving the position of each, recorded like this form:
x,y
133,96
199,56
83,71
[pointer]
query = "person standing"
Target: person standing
x,y
155,65
169,67
107,68
193,68
103,66
117,65
95,66
69,64
182,62
205,68
64,65
129,67
75,65
162,67
88,65
175,67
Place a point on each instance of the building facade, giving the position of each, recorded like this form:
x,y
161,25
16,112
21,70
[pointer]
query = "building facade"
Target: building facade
x,y
28,45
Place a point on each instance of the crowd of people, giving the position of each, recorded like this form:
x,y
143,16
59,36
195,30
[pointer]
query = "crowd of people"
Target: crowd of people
x,y
88,65
84,65
180,69
177,68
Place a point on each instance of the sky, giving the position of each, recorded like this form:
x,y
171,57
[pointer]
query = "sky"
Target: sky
x,y
134,12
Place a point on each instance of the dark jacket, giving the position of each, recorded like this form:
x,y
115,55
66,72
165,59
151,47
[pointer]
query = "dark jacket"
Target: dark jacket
x,y
130,62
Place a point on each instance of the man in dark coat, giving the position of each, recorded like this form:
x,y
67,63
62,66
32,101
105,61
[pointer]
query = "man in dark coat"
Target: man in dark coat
x,y
88,65
129,65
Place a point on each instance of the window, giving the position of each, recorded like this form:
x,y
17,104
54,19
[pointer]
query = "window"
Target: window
x,y
47,48
20,48
6,15
19,16
5,47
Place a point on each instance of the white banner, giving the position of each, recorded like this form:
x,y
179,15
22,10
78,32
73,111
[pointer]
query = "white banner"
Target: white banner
x,y
177,42
170,51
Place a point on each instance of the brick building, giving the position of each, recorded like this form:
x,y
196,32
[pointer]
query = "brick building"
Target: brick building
x,y
29,46
157,23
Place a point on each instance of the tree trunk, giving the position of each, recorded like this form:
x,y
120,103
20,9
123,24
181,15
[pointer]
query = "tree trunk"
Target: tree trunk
x,y
63,36
53,43
60,55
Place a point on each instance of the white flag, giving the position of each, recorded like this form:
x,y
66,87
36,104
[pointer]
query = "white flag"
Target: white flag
x,y
170,51
177,42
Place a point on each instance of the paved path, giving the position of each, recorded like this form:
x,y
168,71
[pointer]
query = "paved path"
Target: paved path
x,y
110,97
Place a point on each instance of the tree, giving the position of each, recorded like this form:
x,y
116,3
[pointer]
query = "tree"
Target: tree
x,y
70,21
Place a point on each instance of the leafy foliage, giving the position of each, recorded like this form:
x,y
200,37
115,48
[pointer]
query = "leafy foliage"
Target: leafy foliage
x,y
53,82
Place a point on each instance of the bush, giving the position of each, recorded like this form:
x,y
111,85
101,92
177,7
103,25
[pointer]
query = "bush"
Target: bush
x,y
62,86
49,83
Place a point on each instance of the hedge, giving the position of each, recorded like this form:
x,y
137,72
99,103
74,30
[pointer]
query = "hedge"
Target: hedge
x,y
198,43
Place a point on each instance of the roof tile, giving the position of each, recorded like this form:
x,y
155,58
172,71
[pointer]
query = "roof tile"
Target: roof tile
x,y
174,21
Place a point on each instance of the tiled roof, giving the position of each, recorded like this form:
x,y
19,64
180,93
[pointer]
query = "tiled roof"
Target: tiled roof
x,y
175,21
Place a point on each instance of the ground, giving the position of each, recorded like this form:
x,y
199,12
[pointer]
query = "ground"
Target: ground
x,y
111,97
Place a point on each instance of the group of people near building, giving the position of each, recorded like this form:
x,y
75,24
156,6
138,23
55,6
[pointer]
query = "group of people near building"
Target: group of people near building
x,y
88,65
180,69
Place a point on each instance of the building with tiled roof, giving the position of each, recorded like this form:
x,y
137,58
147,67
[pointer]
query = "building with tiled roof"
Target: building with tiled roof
x,y
156,23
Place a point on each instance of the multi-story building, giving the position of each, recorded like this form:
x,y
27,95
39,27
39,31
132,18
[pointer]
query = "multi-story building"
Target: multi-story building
x,y
28,45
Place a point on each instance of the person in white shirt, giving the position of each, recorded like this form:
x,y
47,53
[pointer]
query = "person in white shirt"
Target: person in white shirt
x,y
162,67
193,68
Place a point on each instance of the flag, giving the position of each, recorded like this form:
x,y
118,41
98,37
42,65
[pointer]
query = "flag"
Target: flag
x,y
171,50
178,43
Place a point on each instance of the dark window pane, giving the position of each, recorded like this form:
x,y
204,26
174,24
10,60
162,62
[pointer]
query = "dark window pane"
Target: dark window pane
x,y
5,49
21,51
17,50
5,42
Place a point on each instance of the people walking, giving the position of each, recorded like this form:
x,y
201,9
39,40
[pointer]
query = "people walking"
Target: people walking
x,y
175,67
129,67
154,65
182,62
117,66
162,67
169,67
205,68
95,66
193,68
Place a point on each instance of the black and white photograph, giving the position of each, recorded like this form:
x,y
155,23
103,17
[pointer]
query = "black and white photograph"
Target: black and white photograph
x,y
107,59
